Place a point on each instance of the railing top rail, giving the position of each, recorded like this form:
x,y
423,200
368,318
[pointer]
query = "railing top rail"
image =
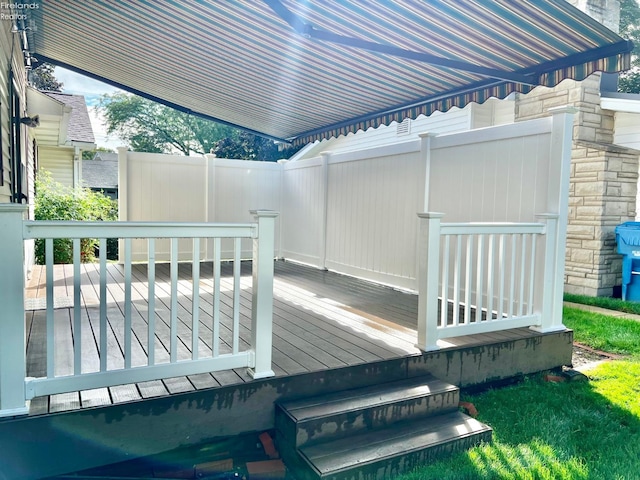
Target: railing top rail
x,y
479,228
73,229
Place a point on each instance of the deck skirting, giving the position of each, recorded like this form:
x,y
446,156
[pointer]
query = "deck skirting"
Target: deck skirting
x,y
49,444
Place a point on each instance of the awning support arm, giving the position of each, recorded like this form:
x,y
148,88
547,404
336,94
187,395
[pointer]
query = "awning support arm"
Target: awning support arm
x,y
308,31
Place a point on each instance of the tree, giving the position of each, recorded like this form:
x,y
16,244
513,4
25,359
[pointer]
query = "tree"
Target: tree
x,y
151,127
246,146
43,78
629,82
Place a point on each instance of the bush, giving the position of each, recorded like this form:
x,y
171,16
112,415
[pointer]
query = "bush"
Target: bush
x,y
55,201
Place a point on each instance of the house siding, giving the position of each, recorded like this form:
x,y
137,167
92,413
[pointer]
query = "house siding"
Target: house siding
x,y
492,112
19,83
59,162
5,111
627,133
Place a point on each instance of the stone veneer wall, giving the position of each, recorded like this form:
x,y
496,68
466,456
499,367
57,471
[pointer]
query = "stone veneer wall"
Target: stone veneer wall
x,y
603,184
604,177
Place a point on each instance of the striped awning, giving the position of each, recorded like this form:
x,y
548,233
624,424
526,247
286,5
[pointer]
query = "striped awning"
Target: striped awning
x,y
303,70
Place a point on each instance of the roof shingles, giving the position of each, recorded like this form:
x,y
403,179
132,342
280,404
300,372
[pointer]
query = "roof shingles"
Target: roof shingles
x,y
101,172
79,124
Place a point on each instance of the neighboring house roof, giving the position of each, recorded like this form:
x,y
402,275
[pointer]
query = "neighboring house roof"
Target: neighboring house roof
x,y
101,172
79,129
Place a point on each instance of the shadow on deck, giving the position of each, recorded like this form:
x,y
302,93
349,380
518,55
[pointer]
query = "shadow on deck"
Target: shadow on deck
x,y
331,332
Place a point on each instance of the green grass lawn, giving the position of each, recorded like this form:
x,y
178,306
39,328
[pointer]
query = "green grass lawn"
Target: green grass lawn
x,y
576,430
604,302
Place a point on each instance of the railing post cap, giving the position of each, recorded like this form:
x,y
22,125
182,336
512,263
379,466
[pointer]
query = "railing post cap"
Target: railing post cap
x,y
264,213
13,207
431,215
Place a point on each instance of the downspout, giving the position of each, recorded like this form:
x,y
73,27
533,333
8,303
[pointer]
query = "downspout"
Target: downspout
x,y
77,167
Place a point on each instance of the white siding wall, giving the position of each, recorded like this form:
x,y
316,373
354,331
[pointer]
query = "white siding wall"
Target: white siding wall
x,y
5,111
492,112
7,39
59,162
20,83
627,130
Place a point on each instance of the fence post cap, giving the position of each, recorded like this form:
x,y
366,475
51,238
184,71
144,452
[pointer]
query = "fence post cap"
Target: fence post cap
x,y
13,207
264,213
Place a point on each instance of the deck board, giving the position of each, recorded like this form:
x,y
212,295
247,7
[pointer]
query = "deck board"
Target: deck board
x,y
95,398
322,321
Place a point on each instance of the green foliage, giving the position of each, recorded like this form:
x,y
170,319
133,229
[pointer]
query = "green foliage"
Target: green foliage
x,y
246,146
43,78
604,302
151,127
629,81
55,201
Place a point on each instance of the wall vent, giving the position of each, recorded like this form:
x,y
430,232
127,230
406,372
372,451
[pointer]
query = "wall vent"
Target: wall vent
x,y
404,127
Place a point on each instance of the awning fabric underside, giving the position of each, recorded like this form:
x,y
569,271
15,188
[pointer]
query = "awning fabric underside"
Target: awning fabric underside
x,y
304,70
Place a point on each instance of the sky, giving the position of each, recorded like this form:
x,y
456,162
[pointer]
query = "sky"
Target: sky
x,y
92,90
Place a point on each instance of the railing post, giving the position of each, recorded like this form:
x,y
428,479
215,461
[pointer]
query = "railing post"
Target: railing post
x,y
123,194
262,298
428,271
12,326
551,308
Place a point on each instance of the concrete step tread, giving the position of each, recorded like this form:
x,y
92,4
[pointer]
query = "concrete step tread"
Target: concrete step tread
x,y
331,457
366,397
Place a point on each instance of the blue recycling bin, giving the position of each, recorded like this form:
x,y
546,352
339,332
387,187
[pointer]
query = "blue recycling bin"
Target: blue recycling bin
x,y
628,240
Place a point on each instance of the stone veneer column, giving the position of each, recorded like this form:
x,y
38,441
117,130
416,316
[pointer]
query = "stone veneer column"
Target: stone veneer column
x,y
604,177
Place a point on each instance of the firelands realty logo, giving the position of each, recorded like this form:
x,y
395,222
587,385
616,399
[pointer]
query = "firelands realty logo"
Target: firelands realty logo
x,y
16,11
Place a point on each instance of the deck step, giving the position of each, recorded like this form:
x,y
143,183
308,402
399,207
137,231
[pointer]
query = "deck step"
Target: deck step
x,y
390,451
339,414
374,432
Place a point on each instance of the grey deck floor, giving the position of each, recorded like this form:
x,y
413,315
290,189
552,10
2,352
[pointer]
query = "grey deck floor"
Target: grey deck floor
x,y
322,320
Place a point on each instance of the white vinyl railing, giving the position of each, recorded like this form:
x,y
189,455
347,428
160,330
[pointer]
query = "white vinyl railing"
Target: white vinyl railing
x,y
205,356
483,277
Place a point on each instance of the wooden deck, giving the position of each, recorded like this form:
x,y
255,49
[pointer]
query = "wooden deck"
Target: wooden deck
x,y
330,333
322,321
